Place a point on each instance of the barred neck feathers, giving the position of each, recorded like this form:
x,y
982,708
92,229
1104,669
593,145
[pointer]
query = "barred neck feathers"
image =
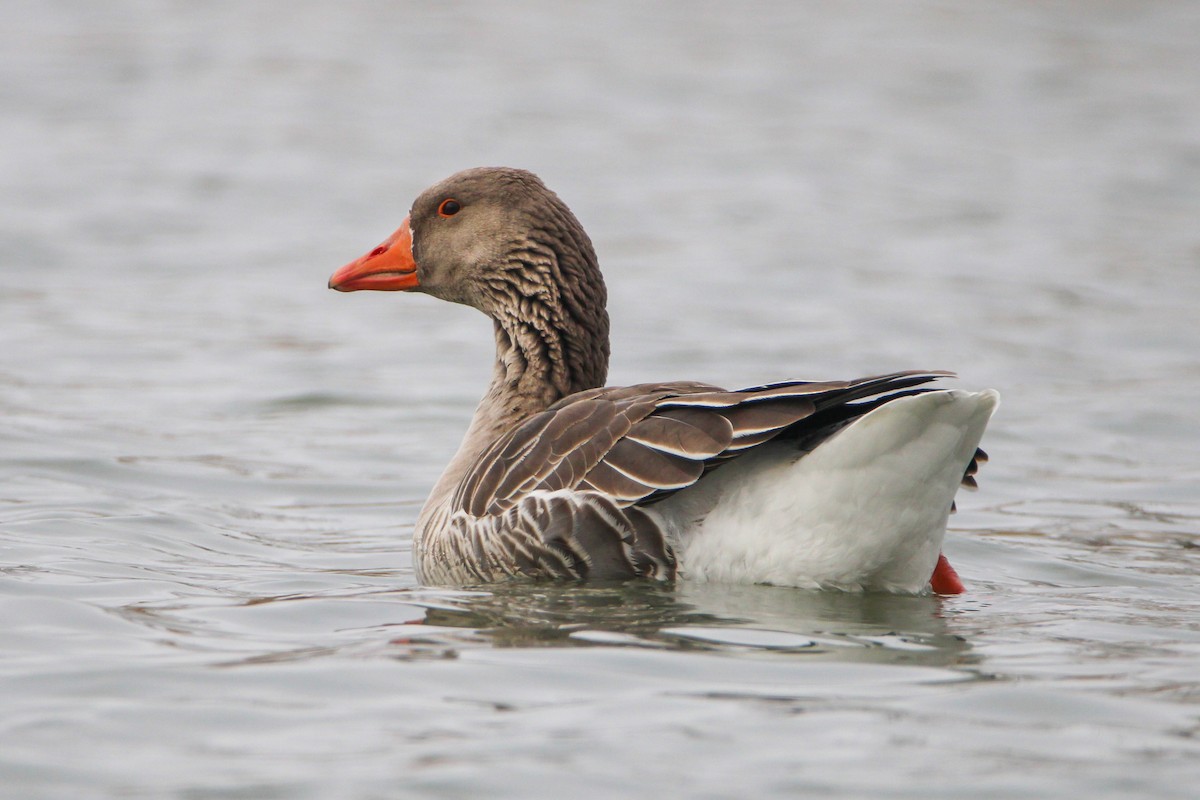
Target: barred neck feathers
x,y
547,304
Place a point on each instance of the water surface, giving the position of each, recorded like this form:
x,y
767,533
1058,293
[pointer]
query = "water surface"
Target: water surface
x,y
210,464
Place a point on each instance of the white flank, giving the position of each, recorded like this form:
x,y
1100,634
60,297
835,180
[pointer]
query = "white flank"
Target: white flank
x,y
866,510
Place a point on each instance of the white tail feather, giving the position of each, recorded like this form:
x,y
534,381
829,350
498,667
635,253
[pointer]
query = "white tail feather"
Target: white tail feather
x,y
865,510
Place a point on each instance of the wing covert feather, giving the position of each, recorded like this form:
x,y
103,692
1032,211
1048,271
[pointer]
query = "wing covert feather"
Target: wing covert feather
x,y
638,443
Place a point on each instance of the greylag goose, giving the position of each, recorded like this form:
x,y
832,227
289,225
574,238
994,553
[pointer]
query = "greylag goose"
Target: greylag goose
x,y
832,485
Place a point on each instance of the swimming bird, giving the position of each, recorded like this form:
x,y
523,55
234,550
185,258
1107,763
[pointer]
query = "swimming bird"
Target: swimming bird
x,y
842,485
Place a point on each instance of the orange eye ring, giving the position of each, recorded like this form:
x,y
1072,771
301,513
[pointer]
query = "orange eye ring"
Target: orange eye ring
x,y
449,207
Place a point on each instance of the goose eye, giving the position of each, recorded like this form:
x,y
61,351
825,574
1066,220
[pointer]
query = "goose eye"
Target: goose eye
x,y
449,208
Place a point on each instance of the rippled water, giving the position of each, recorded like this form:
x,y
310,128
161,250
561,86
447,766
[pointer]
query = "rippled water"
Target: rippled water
x,y
210,464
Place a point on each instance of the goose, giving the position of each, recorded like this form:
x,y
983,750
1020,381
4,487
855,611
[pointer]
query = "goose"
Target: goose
x,y
833,485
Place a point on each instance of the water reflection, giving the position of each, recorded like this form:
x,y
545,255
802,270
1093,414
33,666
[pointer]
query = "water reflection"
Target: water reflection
x,y
512,615
713,617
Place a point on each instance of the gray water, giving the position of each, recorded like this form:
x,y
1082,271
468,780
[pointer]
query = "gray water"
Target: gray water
x,y
210,464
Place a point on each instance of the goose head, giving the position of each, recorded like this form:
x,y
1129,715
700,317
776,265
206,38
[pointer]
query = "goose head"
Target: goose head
x,y
483,237
497,239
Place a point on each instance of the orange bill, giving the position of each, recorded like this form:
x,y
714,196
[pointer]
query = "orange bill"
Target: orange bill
x,y
388,268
